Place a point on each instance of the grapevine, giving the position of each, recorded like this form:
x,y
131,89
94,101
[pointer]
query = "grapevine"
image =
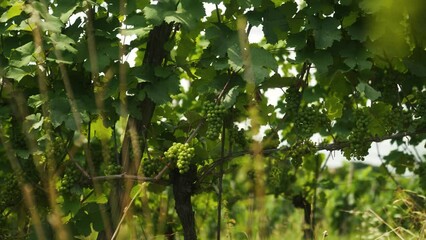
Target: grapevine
x,y
237,136
299,150
112,169
182,154
359,138
69,179
152,166
420,111
214,114
309,120
292,99
397,120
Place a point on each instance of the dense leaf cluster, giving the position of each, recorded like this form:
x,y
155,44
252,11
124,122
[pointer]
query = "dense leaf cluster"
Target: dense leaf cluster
x,y
87,87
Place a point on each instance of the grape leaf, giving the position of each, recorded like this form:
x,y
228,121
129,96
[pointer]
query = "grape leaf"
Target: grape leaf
x,y
369,92
325,31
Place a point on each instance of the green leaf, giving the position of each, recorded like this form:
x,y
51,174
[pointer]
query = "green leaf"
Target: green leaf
x,y
350,19
400,161
379,111
276,81
97,198
64,9
162,89
231,97
322,59
35,101
221,38
35,120
356,56
59,110
139,32
50,23
369,92
155,14
416,63
13,11
261,61
194,8
63,43
99,130
325,32
359,30
334,107
18,73
339,85
276,22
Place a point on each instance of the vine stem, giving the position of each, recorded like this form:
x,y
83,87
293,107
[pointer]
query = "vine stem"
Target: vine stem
x,y
329,147
221,160
220,180
385,168
128,176
125,212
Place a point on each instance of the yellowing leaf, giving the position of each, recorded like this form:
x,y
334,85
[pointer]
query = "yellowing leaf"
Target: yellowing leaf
x,y
98,130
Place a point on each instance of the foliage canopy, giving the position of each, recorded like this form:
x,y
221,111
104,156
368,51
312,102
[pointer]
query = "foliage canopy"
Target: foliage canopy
x,y
93,146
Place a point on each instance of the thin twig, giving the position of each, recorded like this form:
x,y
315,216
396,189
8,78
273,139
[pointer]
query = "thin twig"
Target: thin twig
x,y
125,211
130,177
387,224
385,168
220,180
218,14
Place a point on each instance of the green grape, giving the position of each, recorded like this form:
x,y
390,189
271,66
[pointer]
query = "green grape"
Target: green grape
x,y
359,142
292,99
389,89
237,136
70,179
182,154
112,169
274,177
151,167
310,120
397,120
214,115
420,108
299,150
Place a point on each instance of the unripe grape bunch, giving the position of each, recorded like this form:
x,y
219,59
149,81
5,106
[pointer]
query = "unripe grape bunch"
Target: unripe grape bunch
x,y
214,115
152,166
112,169
70,178
182,153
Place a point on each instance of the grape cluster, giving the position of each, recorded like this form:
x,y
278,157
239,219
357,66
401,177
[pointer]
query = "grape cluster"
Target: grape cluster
x,y
292,99
69,180
182,153
280,176
397,120
274,177
112,169
310,120
359,142
389,89
299,150
237,136
151,167
214,115
420,110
